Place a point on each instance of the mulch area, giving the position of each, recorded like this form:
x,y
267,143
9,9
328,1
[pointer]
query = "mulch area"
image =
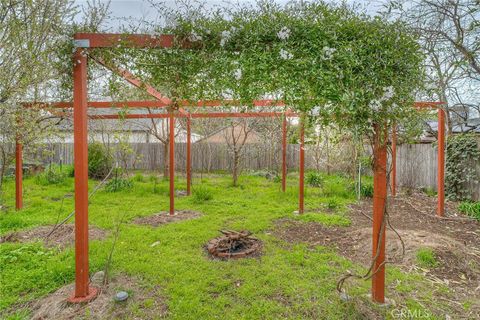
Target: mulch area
x,y
62,237
164,217
455,240
143,303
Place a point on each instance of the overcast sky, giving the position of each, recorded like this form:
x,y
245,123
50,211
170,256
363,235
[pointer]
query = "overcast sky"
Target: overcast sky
x,y
141,9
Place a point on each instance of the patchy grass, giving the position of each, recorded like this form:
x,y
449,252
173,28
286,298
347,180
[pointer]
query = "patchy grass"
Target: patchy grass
x,y
426,258
295,281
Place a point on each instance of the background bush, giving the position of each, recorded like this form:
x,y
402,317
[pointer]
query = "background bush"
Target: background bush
x,y
462,154
366,189
314,179
53,174
100,161
202,194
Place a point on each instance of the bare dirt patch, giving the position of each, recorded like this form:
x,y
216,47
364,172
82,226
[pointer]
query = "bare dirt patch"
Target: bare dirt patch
x,y
455,241
234,245
164,217
144,302
62,237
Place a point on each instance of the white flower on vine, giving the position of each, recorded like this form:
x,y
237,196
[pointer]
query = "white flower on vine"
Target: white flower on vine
x,y
194,37
237,74
228,94
328,52
388,93
315,111
375,105
285,55
283,34
226,35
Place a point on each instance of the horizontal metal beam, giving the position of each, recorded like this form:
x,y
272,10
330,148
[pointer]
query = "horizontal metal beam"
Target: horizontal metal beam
x,y
101,104
230,102
129,116
112,40
158,104
240,114
204,103
195,115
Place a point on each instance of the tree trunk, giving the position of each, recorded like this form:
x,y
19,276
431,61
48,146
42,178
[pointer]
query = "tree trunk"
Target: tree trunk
x,y
235,168
166,174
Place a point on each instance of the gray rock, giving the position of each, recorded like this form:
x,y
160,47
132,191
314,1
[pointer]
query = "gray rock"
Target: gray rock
x,y
98,277
121,296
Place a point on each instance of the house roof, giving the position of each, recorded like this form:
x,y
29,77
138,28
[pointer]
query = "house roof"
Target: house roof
x,y
471,125
220,135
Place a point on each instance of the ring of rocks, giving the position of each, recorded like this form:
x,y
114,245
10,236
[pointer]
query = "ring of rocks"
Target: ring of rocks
x,y
234,245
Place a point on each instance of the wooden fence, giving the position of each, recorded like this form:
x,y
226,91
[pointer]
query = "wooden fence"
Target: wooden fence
x,y
416,163
205,157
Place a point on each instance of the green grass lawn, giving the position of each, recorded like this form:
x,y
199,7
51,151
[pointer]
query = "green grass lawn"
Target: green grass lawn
x,y
289,281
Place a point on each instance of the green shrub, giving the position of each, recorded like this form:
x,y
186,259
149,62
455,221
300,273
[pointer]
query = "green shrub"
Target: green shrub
x,y
202,194
70,170
139,178
366,189
118,184
426,258
100,161
52,175
314,179
333,204
461,155
471,209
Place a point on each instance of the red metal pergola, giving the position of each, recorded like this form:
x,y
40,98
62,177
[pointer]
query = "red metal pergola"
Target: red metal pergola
x,y
84,41
84,292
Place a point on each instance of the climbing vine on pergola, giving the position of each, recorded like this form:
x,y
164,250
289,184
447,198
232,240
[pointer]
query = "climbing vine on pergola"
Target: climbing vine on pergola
x,y
327,62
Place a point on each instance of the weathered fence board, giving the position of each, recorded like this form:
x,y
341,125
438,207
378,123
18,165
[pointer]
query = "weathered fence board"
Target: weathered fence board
x,y
416,163
205,157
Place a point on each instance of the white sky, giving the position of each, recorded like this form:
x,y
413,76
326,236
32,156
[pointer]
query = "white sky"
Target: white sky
x,y
138,9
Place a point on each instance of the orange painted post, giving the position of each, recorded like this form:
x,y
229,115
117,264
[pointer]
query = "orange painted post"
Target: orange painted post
x,y
172,162
379,203
284,153
393,175
302,168
18,175
441,163
82,290
189,155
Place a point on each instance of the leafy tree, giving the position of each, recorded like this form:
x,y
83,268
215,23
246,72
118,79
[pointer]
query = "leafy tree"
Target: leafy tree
x,y
31,31
448,32
35,38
